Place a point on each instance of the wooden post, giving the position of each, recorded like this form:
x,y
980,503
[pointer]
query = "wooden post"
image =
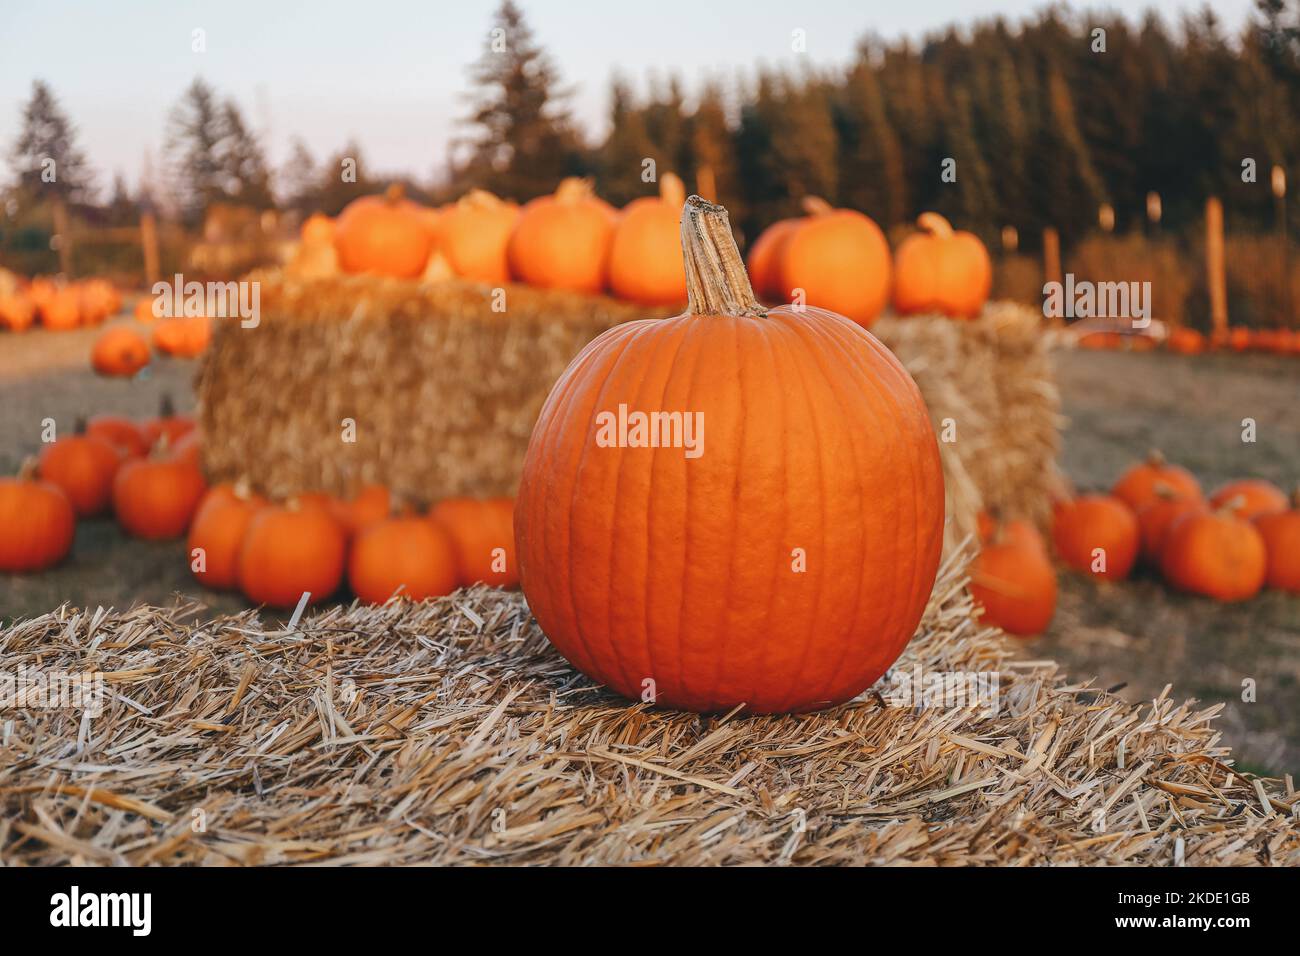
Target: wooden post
x,y
1215,279
149,245
64,236
705,184
1051,255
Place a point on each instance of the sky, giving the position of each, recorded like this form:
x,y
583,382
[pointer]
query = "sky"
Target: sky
x,y
394,74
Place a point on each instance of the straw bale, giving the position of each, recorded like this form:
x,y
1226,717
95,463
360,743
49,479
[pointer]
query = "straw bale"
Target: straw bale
x,y
451,732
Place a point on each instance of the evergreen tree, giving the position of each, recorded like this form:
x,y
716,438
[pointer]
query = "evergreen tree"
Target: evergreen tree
x,y
243,164
300,179
46,156
195,129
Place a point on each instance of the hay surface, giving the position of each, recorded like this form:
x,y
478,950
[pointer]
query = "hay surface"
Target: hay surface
x,y
451,732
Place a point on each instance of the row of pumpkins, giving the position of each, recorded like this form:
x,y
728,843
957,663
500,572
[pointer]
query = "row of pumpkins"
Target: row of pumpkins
x,y
147,473
59,306
574,240
123,350
1185,341
1244,537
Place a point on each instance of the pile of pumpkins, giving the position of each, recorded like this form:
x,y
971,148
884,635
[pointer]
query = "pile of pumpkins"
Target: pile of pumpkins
x,y
1185,341
835,259
55,305
147,474
1243,538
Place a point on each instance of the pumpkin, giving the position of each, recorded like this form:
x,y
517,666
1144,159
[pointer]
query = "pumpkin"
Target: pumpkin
x,y
1250,497
1013,582
781,568
62,310
317,229
764,260
474,236
120,351
1139,486
189,447
482,534
155,498
1281,533
38,522
183,336
17,312
97,299
562,241
289,551
1157,517
121,432
370,505
144,310
1097,535
645,256
383,235
839,259
941,270
167,426
84,467
410,553
1217,554
1185,341
1239,338
218,529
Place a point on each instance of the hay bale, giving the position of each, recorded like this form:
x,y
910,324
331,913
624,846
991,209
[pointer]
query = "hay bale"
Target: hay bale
x,y
993,378
451,732
442,388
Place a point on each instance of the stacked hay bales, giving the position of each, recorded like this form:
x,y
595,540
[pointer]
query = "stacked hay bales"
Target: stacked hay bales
x,y
451,732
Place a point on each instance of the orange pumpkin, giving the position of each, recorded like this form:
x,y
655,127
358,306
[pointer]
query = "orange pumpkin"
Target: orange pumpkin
x,y
317,229
764,260
1239,338
1281,533
183,336
482,533
562,241
645,257
1157,517
1185,341
120,351
780,569
1097,535
217,534
411,553
62,310
1013,582
155,498
1250,497
38,523
840,260
168,425
289,551
370,505
1140,485
144,310
17,312
475,235
383,235
84,467
1217,554
98,301
941,270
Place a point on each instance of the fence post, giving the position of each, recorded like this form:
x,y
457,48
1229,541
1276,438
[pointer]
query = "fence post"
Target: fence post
x,y
1214,266
1051,256
149,244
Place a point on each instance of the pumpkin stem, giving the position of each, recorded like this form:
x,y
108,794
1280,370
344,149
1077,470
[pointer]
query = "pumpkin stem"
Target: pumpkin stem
x,y
79,426
935,224
1229,508
28,470
394,193
716,282
480,199
166,408
815,206
573,189
1156,458
672,190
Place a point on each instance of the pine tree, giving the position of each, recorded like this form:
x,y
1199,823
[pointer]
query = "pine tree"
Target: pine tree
x,y
195,129
300,179
243,164
46,156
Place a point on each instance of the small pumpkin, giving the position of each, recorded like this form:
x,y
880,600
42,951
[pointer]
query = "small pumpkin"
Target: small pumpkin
x,y
1097,535
1157,517
1140,485
482,533
120,351
289,551
216,535
121,432
168,425
155,498
383,235
1281,533
370,505
942,270
84,467
474,235
1250,497
38,521
1013,581
645,256
1216,554
143,311
562,241
783,569
183,336
411,553
317,229
17,312
1239,338
1185,341
61,312
840,260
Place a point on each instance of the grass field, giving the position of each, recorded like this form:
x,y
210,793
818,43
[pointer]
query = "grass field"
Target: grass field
x,y
1138,634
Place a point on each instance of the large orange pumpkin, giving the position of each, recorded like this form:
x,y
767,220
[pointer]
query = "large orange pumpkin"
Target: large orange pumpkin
x,y
217,534
645,257
1250,497
1141,484
482,533
1097,535
383,235
941,270
155,498
1217,554
764,260
782,566
38,523
475,236
1013,581
412,554
840,260
84,466
120,351
289,551
562,241
1281,533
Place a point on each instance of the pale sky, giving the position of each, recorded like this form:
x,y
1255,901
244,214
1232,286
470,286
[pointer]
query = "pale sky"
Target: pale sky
x,y
393,74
